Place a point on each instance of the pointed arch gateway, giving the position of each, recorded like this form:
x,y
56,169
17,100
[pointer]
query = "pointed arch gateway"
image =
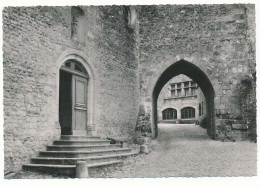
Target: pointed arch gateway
x,y
196,74
76,86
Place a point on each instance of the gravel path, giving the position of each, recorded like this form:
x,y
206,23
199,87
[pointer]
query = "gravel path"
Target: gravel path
x,y
187,151
181,150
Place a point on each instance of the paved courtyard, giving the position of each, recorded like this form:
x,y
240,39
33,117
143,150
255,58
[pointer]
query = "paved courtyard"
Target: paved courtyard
x,y
186,150
181,150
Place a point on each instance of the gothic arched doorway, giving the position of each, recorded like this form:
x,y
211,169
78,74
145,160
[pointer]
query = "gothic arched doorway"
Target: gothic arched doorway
x,y
197,75
73,98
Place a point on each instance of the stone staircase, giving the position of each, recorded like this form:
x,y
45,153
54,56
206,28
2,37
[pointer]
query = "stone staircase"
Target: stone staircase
x,y
61,157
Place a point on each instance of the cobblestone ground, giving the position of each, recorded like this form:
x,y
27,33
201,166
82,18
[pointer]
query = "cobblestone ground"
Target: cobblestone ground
x,y
185,151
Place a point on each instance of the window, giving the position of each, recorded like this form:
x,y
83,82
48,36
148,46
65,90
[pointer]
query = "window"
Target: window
x,y
178,92
68,64
187,113
75,67
173,93
193,91
199,109
169,113
186,84
202,108
186,92
193,84
77,24
181,89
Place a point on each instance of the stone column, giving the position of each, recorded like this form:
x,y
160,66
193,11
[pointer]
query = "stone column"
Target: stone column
x,y
182,89
82,169
178,114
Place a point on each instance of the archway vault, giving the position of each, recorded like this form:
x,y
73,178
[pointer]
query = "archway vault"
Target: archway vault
x,y
196,74
92,84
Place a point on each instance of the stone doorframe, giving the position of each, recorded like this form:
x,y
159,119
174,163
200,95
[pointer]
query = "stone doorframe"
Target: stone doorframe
x,y
150,102
92,85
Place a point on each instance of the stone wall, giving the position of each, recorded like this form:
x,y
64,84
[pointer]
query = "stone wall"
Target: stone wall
x,y
218,39
34,39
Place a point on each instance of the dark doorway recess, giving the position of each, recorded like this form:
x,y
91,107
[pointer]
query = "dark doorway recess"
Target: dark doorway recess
x,y
197,75
65,103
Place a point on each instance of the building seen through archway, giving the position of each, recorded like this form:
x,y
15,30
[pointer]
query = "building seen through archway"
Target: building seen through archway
x,y
181,101
182,88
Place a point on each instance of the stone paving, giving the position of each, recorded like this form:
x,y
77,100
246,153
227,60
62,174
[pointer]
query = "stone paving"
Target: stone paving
x,y
187,151
182,151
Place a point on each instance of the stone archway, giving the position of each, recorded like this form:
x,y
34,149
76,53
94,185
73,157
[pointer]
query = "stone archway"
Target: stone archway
x,y
196,74
73,55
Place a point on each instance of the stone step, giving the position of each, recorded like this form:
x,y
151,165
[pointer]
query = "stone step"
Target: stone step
x,y
77,154
72,161
107,158
93,165
67,170
75,137
81,147
61,157
81,142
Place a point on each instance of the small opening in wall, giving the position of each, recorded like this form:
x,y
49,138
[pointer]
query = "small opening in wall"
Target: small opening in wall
x,y
77,24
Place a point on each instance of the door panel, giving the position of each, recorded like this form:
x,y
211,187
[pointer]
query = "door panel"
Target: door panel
x,y
79,107
80,119
80,92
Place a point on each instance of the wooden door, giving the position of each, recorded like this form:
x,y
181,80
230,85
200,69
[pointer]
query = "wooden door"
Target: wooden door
x,y
79,106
